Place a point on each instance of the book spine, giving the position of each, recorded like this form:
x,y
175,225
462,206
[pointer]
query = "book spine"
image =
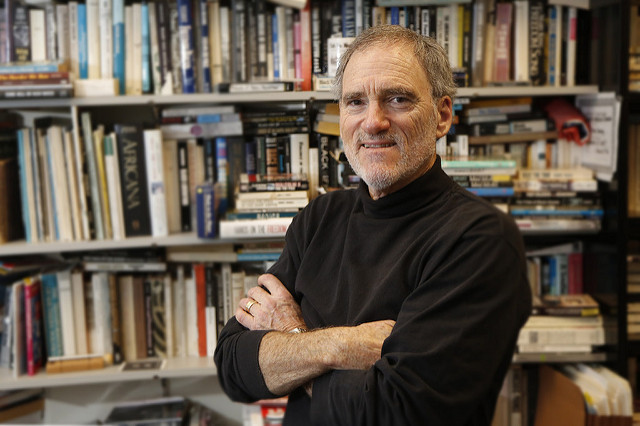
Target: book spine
x,y
201,305
183,176
106,38
158,316
93,39
146,48
272,227
51,306
155,182
164,46
215,43
119,45
204,54
66,312
133,180
83,47
96,205
154,48
205,205
238,41
187,62
148,311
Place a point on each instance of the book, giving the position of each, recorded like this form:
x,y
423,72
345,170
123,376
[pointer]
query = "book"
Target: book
x,y
155,182
67,320
251,228
186,43
168,410
33,323
133,180
566,305
92,166
205,207
52,318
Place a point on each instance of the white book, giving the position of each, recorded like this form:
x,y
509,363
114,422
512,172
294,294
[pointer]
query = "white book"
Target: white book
x,y
155,182
313,177
571,47
212,329
113,186
79,313
72,184
38,35
136,54
191,316
168,315
128,65
179,317
554,45
521,40
51,31
74,64
225,274
62,18
67,321
534,348
588,335
59,185
215,48
93,38
101,338
106,38
453,35
299,143
252,228
225,43
282,61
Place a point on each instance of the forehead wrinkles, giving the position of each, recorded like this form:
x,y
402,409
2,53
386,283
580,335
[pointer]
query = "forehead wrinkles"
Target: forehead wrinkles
x,y
379,69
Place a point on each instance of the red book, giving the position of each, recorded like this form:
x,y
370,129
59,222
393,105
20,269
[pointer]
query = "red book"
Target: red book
x,y
305,47
201,305
502,69
33,325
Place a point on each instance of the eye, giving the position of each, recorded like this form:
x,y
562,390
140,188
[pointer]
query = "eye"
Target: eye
x,y
399,100
354,102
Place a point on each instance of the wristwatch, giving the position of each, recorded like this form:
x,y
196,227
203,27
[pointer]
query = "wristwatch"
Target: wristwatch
x,y
299,330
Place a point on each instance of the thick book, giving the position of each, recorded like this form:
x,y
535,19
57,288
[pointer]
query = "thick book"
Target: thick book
x,y
170,411
52,319
133,180
566,305
252,228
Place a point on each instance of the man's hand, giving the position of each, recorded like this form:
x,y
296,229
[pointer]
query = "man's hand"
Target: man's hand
x,y
270,309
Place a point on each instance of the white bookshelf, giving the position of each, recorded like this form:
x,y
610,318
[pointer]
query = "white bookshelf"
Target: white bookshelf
x,y
171,368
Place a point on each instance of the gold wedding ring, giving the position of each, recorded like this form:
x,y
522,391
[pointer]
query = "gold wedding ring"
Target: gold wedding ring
x,y
249,304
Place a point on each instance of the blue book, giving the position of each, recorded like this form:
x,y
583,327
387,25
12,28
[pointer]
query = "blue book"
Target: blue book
x,y
205,54
119,45
348,18
590,213
492,192
26,208
185,25
276,48
32,67
83,42
205,211
395,15
52,322
209,118
221,177
258,257
146,49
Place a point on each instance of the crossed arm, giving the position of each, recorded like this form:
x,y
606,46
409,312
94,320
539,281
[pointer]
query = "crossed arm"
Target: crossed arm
x,y
289,360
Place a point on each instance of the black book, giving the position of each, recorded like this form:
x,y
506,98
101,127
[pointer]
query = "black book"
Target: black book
x,y
133,180
183,186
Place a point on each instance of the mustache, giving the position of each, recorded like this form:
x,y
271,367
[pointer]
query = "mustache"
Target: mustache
x,y
380,137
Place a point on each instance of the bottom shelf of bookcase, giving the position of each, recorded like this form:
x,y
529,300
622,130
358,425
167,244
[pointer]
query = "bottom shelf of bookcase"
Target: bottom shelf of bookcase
x,y
171,368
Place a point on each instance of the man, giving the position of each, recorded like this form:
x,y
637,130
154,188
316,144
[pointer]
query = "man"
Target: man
x,y
411,288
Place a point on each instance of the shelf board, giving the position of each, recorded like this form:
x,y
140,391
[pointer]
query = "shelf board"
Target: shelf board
x,y
246,98
512,137
172,368
560,357
186,239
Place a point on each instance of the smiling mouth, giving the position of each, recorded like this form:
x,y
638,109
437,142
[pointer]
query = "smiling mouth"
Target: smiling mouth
x,y
378,145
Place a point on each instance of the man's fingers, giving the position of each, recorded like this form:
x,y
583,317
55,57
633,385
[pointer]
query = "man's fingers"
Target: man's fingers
x,y
244,318
272,284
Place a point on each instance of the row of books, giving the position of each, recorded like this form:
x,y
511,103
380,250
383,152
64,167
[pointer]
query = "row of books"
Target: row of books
x,y
633,290
633,196
95,315
198,46
634,48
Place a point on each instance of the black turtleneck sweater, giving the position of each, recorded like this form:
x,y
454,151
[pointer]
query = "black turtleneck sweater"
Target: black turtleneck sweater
x,y
446,265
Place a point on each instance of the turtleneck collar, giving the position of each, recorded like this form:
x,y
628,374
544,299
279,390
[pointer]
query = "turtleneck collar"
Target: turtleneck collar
x,y
415,195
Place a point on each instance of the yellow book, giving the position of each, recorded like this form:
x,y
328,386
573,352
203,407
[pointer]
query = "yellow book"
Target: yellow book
x,y
98,142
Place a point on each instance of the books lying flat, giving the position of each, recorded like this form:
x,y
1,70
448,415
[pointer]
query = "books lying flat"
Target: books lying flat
x,y
201,130
566,304
272,227
167,411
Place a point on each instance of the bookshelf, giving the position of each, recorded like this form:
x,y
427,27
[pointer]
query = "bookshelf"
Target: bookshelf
x,y
222,250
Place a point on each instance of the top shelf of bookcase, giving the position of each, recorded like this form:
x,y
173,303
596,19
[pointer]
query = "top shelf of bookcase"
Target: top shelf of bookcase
x,y
268,97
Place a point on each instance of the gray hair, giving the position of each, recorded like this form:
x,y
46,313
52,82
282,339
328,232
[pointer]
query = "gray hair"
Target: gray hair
x,y
433,58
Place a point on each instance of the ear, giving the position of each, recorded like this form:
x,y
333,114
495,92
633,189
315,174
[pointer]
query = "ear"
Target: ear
x,y
445,116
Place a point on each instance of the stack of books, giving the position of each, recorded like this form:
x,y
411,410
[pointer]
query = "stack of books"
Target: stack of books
x,y
265,206
565,324
485,177
27,80
557,199
633,290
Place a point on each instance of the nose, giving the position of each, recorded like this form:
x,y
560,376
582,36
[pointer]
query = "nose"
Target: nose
x,y
376,120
